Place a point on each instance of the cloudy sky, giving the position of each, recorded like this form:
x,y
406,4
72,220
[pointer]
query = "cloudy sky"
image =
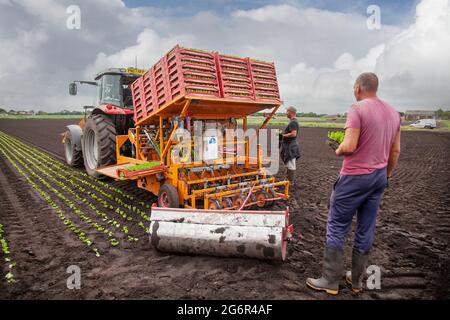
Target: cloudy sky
x,y
319,47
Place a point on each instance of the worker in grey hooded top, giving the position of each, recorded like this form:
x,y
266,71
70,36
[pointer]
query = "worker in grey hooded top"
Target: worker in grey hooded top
x,y
290,150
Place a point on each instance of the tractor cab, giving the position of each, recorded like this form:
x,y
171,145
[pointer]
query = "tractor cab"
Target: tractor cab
x,y
113,89
92,141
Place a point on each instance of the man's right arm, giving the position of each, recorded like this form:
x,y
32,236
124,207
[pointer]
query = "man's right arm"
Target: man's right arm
x,y
394,154
292,128
291,134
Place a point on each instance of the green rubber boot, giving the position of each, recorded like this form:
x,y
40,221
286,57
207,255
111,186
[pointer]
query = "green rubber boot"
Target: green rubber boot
x,y
290,174
359,265
333,264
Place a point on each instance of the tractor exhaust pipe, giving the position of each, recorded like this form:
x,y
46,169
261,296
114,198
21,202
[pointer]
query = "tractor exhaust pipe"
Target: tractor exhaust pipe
x,y
254,234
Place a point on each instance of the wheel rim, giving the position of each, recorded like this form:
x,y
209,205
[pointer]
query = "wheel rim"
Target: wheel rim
x,y
91,149
238,202
260,200
227,203
68,149
164,200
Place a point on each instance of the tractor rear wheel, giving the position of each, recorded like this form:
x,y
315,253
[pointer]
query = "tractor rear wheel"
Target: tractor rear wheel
x,y
73,155
168,197
99,144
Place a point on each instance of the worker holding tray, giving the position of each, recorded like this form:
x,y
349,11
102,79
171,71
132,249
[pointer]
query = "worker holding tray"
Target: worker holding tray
x,y
371,149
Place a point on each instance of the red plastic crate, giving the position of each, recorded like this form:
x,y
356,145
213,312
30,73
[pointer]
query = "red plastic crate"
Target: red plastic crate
x,y
191,72
235,78
265,81
142,90
247,79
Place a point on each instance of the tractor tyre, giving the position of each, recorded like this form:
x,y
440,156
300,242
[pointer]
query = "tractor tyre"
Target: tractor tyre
x,y
168,197
72,153
99,144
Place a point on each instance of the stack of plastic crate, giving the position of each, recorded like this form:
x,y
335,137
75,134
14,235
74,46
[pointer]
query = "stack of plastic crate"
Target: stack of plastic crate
x,y
194,73
181,72
143,101
191,72
265,82
235,78
149,91
247,79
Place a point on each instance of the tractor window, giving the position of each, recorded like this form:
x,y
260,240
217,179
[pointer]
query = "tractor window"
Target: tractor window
x,y
111,90
116,90
127,98
126,91
98,97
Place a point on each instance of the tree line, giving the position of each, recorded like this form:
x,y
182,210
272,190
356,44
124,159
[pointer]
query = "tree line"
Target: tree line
x,y
40,112
444,115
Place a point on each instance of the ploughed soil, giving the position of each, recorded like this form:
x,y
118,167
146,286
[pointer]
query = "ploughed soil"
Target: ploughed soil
x,y
411,245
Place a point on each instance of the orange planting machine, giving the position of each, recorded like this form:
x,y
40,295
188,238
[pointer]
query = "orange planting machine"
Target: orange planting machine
x,y
213,191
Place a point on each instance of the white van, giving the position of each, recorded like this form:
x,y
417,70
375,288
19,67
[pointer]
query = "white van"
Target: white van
x,y
424,123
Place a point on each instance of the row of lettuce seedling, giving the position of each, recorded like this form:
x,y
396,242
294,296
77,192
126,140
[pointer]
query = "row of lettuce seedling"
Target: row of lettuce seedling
x,y
20,157
67,184
61,214
144,216
7,256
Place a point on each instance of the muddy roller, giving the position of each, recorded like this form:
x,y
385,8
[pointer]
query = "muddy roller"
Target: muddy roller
x,y
254,234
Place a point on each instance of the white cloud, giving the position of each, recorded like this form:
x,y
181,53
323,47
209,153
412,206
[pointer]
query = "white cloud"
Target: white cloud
x,y
413,66
39,56
149,49
280,13
318,53
290,36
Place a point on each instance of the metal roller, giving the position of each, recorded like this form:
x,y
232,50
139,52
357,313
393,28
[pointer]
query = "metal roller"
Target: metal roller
x,y
255,234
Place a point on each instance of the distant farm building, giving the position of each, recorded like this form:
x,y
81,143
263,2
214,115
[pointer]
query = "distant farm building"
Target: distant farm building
x,y
21,113
411,115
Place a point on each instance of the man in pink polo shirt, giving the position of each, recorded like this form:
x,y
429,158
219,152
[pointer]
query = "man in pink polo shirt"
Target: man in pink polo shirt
x,y
371,149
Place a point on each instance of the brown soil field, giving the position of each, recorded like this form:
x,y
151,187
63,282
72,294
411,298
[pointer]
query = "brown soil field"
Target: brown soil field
x,y
411,245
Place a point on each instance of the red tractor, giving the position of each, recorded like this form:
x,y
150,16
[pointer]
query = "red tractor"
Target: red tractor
x,y
93,140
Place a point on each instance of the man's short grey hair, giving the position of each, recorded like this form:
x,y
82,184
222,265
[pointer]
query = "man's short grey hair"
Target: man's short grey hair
x,y
367,81
291,109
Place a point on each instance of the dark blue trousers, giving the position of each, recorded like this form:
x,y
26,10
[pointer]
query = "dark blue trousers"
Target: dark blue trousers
x,y
360,195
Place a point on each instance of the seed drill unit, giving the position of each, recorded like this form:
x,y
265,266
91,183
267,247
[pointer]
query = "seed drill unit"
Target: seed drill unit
x,y
213,195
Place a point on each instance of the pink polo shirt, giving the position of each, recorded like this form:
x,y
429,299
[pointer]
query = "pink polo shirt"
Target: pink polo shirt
x,y
379,124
